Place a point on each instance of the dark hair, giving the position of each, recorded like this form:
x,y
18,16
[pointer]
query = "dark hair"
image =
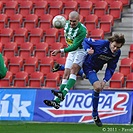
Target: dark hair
x,y
117,38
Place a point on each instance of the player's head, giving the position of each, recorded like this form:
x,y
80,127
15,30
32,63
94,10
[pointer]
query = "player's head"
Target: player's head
x,y
116,42
74,19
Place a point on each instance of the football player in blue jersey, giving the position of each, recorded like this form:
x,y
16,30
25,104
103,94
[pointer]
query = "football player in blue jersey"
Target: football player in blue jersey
x,y
101,52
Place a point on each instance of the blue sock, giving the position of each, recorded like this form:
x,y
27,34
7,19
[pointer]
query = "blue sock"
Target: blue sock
x,y
95,100
62,68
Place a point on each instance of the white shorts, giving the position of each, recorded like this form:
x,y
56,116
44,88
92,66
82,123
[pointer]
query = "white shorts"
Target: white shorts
x,y
77,57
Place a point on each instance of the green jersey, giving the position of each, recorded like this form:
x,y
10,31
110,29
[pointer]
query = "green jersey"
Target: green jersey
x,y
74,36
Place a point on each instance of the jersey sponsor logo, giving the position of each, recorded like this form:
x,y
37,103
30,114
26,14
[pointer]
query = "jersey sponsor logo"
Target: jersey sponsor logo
x,y
80,104
69,41
104,57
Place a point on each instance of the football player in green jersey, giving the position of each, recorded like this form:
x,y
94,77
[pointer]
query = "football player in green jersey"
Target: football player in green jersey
x,y
74,32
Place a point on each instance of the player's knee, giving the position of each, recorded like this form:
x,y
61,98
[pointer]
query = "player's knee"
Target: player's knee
x,y
98,89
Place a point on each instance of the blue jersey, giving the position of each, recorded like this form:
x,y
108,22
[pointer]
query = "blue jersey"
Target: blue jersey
x,y
102,55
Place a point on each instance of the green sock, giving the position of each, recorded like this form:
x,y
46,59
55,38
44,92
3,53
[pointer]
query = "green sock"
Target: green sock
x,y
62,86
69,85
57,100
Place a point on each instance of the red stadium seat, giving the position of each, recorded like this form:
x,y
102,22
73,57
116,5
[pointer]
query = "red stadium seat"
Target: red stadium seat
x,y
125,2
30,65
41,50
69,6
53,46
126,66
15,21
36,79
3,20
6,35
85,8
5,60
15,64
91,22
20,35
115,9
45,21
62,61
117,80
45,65
52,80
55,8
129,81
10,8
10,50
94,2
51,35
131,51
35,35
97,34
106,23
25,7
100,8
7,80
26,50
109,2
1,7
21,79
1,47
31,21
40,7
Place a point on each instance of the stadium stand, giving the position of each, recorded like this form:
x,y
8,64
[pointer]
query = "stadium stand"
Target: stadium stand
x,y
25,7
30,65
131,51
45,21
126,66
15,64
117,80
129,80
36,79
25,50
100,8
40,7
41,50
85,8
20,36
106,23
10,8
15,21
55,7
91,22
3,21
7,81
45,65
10,50
35,35
52,80
20,79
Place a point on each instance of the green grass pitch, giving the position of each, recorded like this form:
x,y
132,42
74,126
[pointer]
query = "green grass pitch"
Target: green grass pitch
x,y
26,127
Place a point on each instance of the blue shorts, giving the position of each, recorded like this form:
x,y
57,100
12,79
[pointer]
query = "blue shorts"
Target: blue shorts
x,y
90,73
92,76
